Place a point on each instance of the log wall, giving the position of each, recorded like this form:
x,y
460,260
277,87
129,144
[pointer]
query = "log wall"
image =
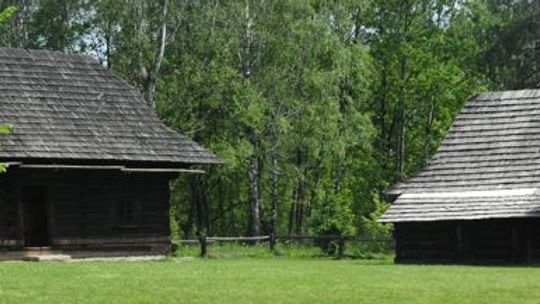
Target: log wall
x,y
85,210
478,241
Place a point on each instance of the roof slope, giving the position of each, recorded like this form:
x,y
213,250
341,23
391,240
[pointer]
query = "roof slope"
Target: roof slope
x,y
494,144
69,107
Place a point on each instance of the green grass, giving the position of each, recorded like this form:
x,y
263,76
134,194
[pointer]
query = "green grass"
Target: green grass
x,y
188,280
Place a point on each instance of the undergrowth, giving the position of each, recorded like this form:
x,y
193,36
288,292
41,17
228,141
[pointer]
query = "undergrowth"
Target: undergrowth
x,y
286,251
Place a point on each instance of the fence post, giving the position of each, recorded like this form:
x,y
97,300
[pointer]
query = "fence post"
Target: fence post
x,y
272,241
203,241
341,246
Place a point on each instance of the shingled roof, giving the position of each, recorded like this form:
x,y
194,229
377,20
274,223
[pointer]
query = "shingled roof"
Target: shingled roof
x,y
69,107
488,166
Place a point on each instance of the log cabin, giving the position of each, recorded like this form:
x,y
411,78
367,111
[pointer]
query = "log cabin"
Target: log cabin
x,y
89,163
478,200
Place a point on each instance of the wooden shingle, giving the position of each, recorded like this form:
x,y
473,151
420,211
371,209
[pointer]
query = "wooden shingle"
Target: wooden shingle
x,y
493,145
68,107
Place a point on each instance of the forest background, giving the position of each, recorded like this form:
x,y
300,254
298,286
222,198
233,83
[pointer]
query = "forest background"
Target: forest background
x,y
315,106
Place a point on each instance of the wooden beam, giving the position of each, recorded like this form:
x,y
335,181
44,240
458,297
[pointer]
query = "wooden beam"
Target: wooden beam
x,y
171,170
111,240
10,243
78,167
121,168
239,239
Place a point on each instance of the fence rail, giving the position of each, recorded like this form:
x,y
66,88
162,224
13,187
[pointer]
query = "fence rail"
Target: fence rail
x,y
341,241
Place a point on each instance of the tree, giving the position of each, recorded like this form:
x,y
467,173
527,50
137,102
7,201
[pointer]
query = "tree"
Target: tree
x,y
422,83
5,15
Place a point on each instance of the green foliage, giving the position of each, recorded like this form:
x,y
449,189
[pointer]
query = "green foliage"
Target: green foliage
x,y
334,216
371,228
304,96
4,129
7,13
425,75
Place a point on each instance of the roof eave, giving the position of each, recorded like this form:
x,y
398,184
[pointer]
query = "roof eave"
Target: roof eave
x,y
468,218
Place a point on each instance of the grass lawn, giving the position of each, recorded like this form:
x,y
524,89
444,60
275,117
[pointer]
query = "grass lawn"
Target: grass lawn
x,y
264,281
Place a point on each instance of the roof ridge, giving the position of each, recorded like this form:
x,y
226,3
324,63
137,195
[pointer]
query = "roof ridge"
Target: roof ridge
x,y
474,193
507,94
44,54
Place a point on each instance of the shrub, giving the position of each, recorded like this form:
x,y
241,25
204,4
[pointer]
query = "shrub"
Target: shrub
x,y
334,216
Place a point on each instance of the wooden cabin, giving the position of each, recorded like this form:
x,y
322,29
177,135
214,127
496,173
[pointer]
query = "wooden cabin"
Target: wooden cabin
x,y
89,162
478,200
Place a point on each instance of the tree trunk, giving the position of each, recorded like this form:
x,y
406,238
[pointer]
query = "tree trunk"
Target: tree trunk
x,y
404,78
429,126
138,11
248,44
108,41
254,171
189,225
200,204
292,212
298,208
232,217
401,120
255,195
274,195
21,20
156,66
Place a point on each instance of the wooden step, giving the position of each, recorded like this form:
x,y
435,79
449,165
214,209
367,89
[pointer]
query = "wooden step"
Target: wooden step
x,y
47,257
44,248
44,254
39,250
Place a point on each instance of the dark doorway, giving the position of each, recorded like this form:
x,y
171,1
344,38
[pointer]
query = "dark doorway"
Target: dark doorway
x,y
35,216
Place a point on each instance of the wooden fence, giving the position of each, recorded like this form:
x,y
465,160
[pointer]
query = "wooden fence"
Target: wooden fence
x,y
339,240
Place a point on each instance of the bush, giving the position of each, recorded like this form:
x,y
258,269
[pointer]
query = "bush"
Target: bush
x,y
371,228
334,216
